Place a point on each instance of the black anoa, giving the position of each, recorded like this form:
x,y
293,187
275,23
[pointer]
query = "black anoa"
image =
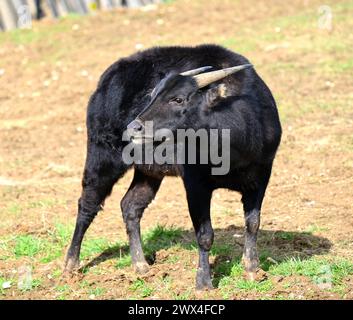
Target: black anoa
x,y
157,84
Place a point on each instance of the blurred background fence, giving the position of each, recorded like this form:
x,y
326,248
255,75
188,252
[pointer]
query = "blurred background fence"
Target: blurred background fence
x,y
19,13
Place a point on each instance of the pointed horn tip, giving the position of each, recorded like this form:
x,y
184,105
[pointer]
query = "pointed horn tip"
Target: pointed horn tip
x,y
243,66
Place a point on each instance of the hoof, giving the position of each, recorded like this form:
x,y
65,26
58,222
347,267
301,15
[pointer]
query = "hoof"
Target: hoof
x,y
203,281
250,276
71,265
205,285
250,264
142,267
257,275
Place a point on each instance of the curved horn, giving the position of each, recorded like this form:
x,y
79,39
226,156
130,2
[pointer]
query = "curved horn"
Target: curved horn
x,y
194,72
205,79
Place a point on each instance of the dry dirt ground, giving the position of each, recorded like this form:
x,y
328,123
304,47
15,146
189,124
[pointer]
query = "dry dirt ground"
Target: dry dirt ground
x,y
306,241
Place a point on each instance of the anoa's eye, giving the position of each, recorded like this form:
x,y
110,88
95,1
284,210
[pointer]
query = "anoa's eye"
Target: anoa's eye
x,y
178,100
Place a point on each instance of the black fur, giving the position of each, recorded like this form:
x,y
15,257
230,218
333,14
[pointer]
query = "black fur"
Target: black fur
x,y
123,93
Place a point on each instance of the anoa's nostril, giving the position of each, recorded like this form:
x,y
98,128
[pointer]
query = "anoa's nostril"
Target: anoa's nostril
x,y
135,125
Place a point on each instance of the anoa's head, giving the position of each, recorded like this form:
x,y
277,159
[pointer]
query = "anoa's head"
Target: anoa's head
x,y
176,97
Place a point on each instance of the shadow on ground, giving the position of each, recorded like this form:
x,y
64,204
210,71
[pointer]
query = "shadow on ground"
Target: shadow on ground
x,y
274,246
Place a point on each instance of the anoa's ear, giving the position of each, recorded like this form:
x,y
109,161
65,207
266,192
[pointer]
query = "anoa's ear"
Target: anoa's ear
x,y
214,95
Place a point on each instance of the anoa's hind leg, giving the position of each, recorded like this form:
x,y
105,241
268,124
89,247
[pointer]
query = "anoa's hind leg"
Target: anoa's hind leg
x,y
141,192
252,202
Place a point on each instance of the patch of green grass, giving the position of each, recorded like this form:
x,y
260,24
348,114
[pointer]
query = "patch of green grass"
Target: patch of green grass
x,y
92,247
337,67
123,262
173,259
230,280
163,286
62,288
295,266
27,245
235,283
191,246
97,291
23,37
226,287
51,253
38,34
163,234
232,268
222,269
142,289
345,66
56,273
44,248
160,237
237,269
318,269
84,284
246,285
221,249
53,247
227,268
63,233
72,16
315,228
64,291
166,282
58,240
285,235
266,261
